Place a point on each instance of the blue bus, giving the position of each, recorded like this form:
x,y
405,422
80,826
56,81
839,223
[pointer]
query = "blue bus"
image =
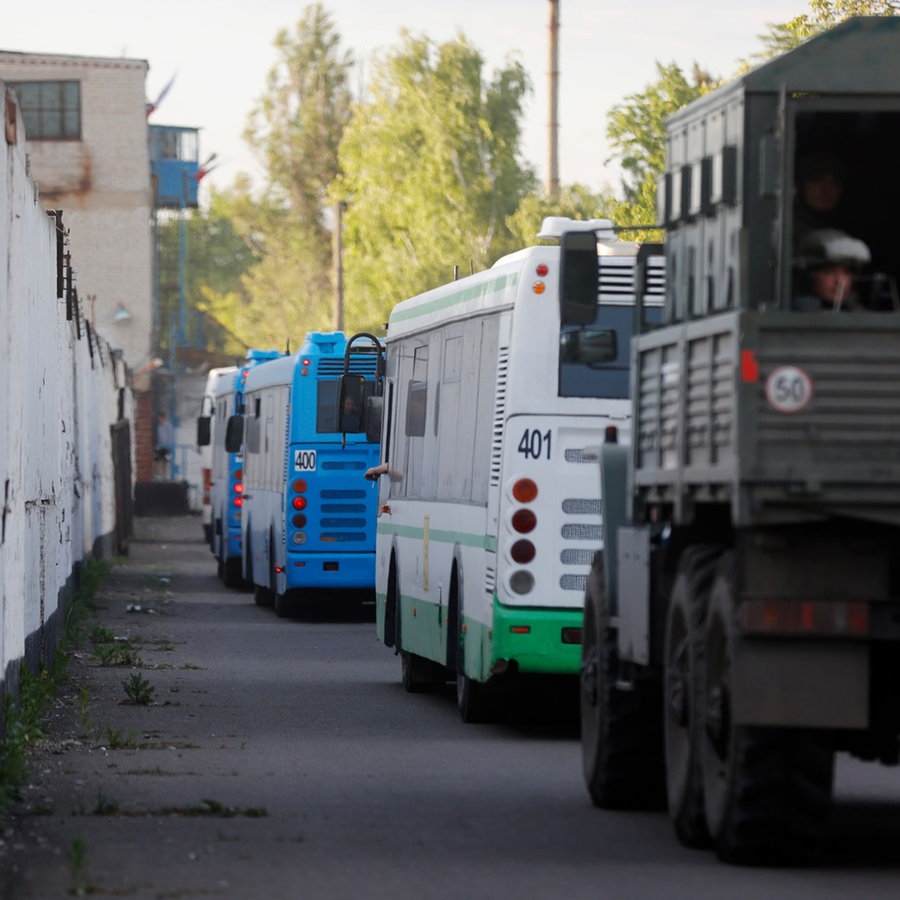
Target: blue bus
x,y
226,485
308,514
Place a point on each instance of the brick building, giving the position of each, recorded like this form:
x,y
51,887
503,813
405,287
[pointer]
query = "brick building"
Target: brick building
x,y
87,143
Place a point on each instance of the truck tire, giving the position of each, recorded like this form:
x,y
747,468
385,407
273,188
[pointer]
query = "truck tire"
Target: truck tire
x,y
767,791
683,693
621,734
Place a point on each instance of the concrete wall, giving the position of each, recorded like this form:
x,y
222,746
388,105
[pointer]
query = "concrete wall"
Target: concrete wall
x,y
62,387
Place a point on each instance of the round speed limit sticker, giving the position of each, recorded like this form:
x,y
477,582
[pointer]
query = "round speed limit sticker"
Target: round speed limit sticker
x,y
789,389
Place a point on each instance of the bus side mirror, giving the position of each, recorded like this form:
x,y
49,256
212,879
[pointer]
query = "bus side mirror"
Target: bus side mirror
x,y
234,434
351,403
374,409
579,277
203,431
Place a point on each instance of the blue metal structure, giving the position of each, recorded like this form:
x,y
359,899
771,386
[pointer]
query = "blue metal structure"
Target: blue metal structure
x,y
175,165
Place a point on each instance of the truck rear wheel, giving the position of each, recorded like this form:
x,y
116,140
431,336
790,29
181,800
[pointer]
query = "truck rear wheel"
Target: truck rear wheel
x,y
767,791
621,740
683,693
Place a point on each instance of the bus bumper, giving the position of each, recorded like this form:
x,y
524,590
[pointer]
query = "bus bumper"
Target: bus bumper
x,y
540,641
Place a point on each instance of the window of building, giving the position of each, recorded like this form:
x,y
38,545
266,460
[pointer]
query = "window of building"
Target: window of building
x,y
51,109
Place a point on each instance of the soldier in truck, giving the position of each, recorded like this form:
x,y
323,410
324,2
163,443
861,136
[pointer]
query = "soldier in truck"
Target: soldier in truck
x,y
827,263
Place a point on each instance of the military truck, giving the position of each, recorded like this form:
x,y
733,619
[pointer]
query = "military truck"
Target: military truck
x,y
742,621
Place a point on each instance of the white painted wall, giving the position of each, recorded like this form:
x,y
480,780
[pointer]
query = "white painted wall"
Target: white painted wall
x,y
59,396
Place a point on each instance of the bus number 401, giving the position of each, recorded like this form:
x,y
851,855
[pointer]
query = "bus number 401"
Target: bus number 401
x,y
534,445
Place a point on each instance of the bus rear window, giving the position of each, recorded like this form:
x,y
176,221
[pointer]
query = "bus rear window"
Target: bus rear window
x,y
594,359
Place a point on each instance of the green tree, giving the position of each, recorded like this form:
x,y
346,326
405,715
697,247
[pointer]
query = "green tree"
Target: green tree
x,y
431,171
822,15
575,201
636,129
215,259
295,128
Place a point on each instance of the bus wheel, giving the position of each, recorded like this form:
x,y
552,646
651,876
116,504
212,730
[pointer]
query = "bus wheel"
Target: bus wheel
x,y
392,601
767,791
473,698
279,601
683,693
231,577
419,675
621,740
262,596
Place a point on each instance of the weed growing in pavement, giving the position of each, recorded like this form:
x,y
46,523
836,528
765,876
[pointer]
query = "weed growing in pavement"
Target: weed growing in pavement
x,y
24,715
117,653
92,574
23,726
138,689
215,809
85,723
105,806
77,857
117,739
100,634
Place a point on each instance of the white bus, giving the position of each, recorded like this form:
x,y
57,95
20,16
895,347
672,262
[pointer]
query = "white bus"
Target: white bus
x,y
205,442
497,395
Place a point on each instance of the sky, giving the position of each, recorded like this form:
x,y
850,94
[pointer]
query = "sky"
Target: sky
x,y
220,52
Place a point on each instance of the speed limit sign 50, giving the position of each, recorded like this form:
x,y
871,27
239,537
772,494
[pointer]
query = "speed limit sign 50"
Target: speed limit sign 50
x,y
789,389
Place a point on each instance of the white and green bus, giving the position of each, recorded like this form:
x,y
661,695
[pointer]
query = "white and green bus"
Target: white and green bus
x,y
498,391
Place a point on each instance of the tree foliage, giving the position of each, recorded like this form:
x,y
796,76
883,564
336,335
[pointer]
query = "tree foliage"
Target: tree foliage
x,y
636,129
295,129
215,259
431,170
822,15
576,201
636,126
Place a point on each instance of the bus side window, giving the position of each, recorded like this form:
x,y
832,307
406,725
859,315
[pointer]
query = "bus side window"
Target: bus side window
x,y
416,394
351,401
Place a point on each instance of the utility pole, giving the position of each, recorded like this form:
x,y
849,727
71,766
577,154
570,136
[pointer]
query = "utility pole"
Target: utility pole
x,y
553,105
337,253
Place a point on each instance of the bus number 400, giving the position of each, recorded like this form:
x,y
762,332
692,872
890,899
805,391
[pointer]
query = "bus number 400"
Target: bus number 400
x,y
534,445
305,460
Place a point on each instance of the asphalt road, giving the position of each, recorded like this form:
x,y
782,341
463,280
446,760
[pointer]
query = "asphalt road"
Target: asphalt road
x,y
282,758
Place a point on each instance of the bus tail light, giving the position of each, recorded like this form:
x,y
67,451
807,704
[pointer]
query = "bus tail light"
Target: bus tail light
x,y
522,552
789,617
299,502
524,521
521,581
525,490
